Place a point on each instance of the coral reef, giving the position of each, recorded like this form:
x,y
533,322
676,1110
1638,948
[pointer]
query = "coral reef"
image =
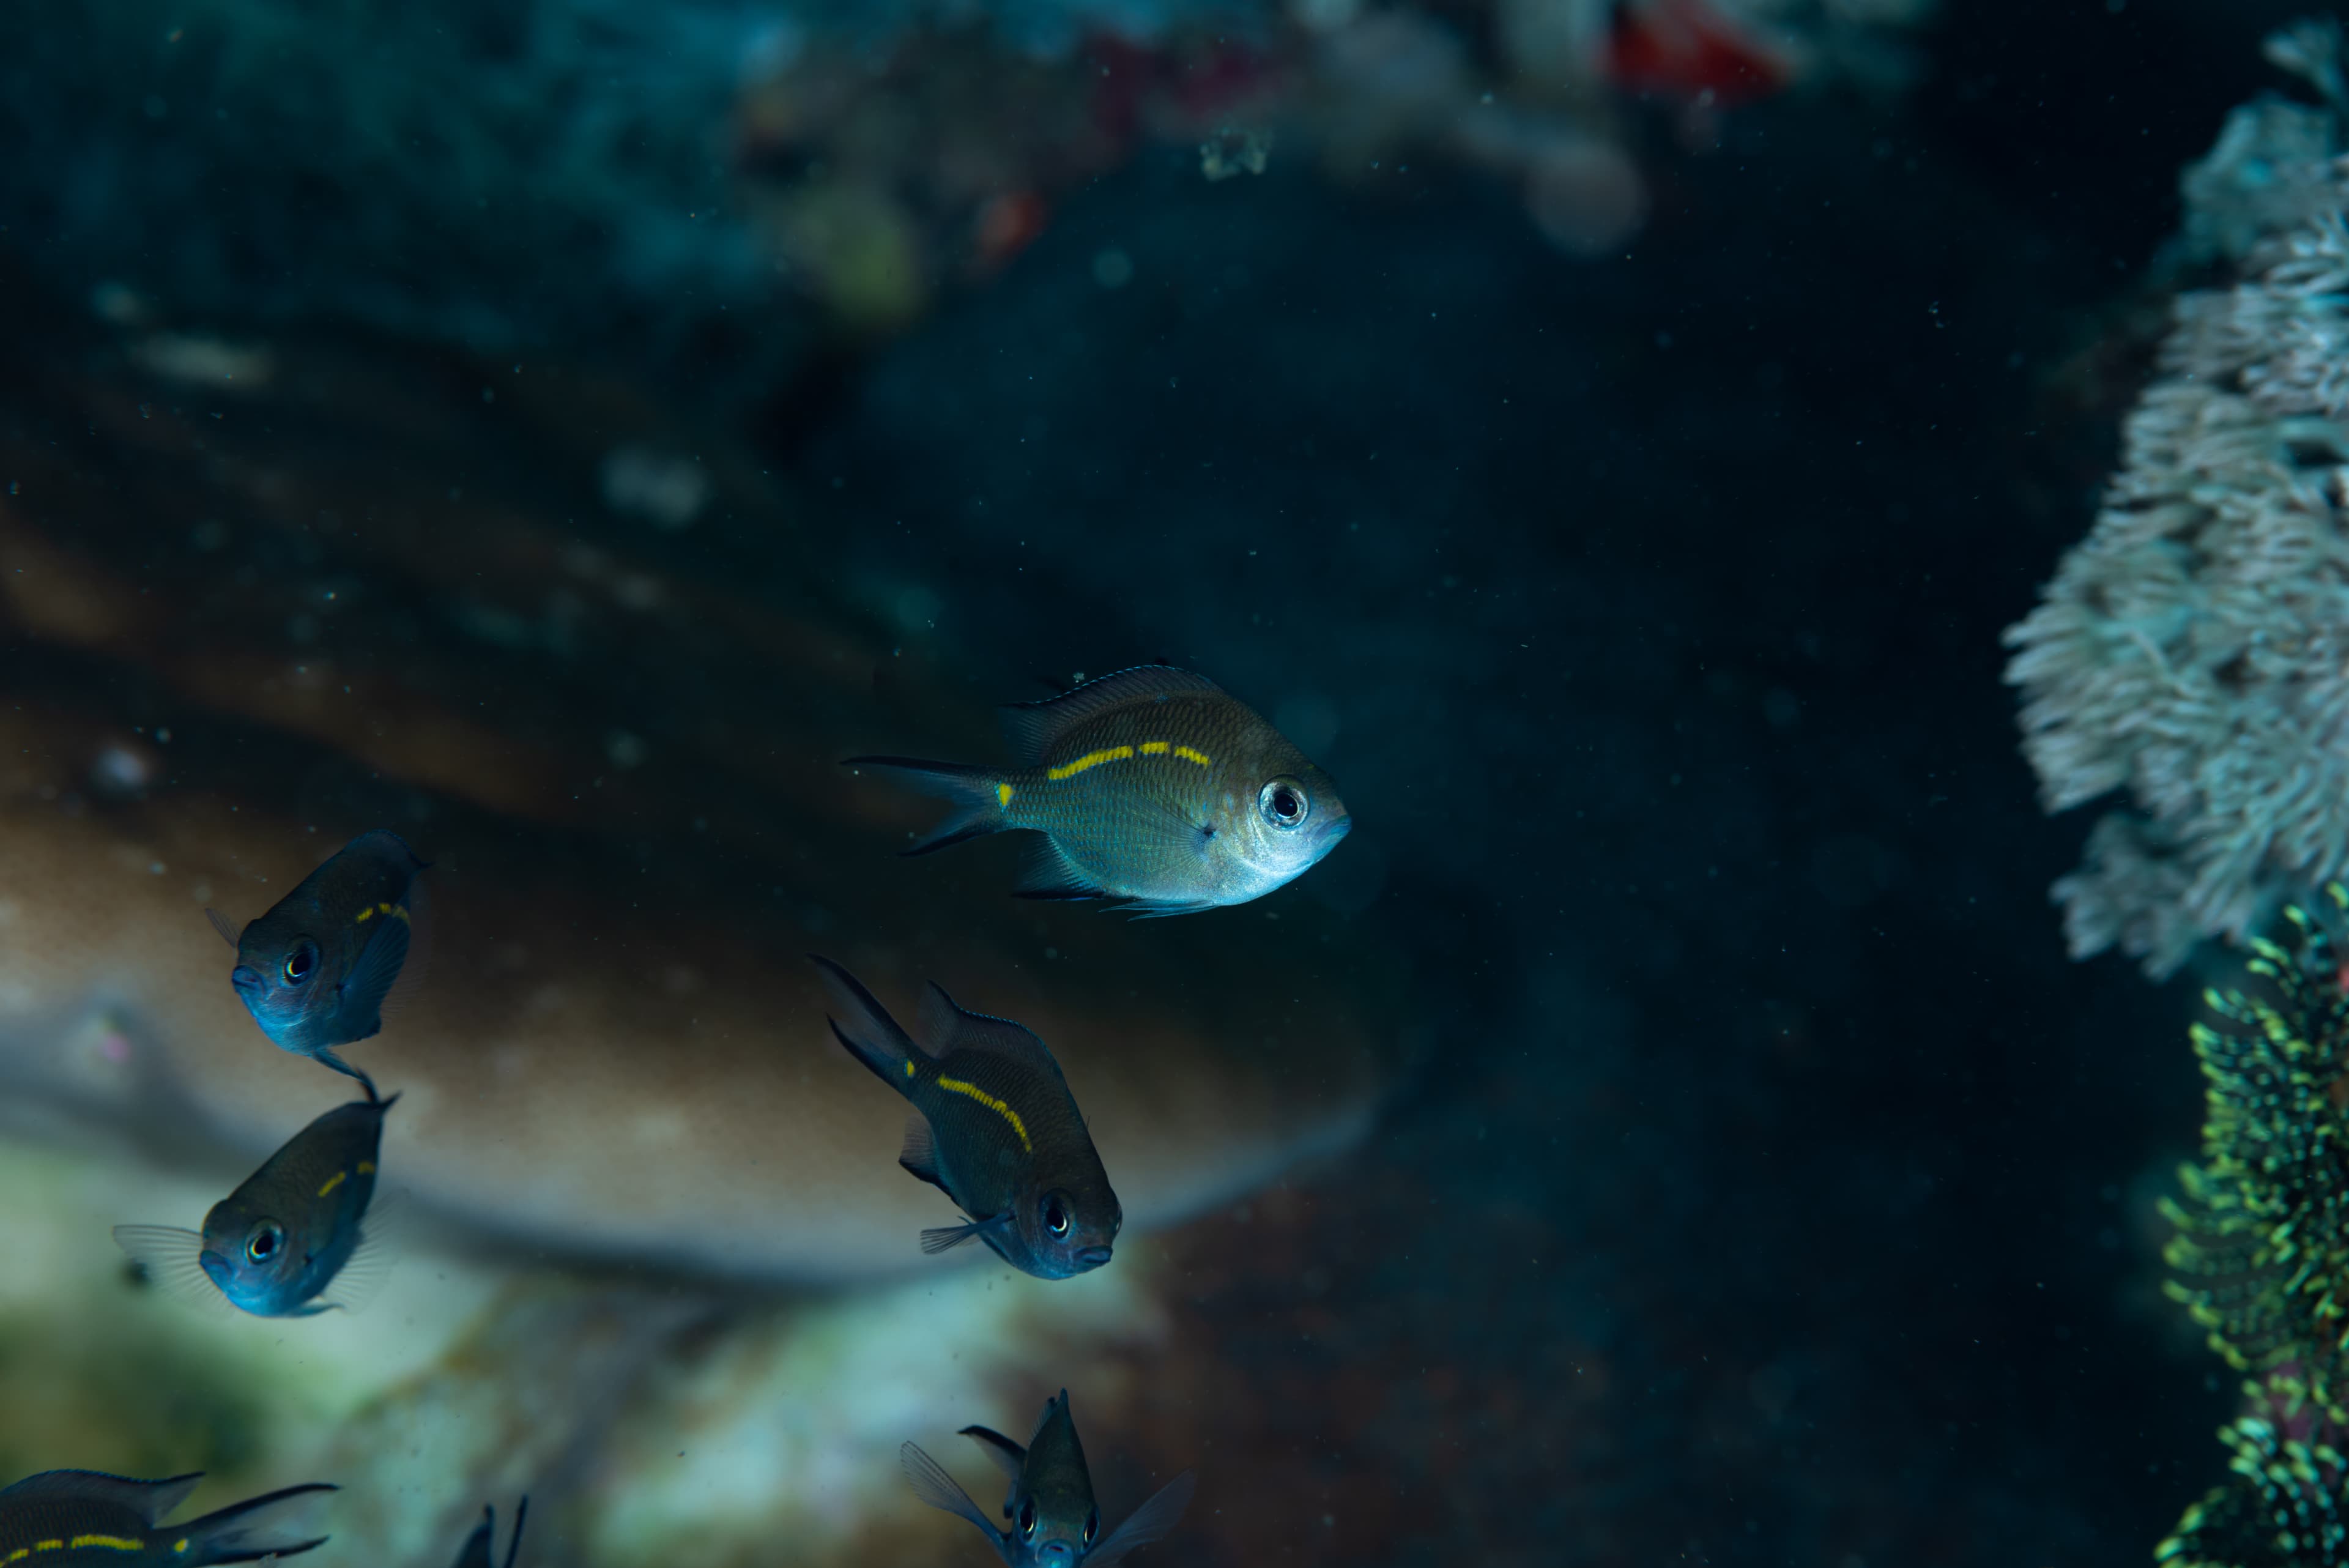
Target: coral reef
x,y
2190,653
2286,1506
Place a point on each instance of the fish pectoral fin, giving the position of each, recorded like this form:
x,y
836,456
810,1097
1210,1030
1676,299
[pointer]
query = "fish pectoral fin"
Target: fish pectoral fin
x,y
945,1237
940,1491
1046,872
170,1258
1008,1456
1149,1523
370,980
362,1275
920,1155
223,924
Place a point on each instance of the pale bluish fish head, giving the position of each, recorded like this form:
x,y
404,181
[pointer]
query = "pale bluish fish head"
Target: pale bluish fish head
x,y
259,1264
1054,1519
281,978
1065,1231
1293,817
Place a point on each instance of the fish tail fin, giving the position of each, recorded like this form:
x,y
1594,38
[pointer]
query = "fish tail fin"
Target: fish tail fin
x,y
325,1056
863,1026
246,1532
978,796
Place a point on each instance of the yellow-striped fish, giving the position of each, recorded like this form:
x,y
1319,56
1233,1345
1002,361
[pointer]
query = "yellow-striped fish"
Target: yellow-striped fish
x,y
78,1517
1153,786
994,1127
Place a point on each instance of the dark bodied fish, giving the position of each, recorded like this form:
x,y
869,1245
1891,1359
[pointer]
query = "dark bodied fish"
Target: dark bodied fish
x,y
994,1127
477,1552
314,972
69,1519
1051,1515
295,1238
1153,786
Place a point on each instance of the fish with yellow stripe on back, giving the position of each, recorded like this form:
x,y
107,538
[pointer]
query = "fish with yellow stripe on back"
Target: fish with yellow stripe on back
x,y
294,1237
994,1127
71,1519
314,971
1154,787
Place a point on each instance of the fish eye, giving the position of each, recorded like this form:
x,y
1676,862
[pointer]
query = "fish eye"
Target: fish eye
x,y
1027,1519
1093,1526
1283,801
263,1244
1056,1216
300,963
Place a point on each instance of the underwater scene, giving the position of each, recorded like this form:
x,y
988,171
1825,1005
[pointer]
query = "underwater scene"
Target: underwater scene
x,y
1216,782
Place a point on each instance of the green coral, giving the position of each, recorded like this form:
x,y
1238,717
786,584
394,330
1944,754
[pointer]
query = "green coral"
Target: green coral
x,y
2263,1241
2286,1505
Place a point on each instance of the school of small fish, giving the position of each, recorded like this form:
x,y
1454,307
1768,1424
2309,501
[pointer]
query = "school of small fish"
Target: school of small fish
x,y
1151,788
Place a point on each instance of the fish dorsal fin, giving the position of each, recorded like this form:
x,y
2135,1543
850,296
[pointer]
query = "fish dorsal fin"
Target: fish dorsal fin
x,y
1008,1456
951,1027
1033,727
149,1499
223,924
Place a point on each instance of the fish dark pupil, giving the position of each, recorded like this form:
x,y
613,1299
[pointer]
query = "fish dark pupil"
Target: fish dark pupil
x,y
297,963
1284,804
1028,1517
262,1246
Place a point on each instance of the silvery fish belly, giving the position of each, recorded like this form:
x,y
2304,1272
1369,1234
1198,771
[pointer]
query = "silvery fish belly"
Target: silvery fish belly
x,y
1153,786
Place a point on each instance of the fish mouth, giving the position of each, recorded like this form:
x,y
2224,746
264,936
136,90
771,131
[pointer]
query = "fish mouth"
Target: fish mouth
x,y
244,977
1091,1256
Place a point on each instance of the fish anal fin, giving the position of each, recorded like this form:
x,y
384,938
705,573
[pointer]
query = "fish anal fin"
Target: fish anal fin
x,y
920,1155
1046,872
1033,727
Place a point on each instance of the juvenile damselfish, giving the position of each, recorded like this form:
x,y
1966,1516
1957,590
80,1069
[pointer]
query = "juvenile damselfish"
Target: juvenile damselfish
x,y
1050,1516
314,972
1153,786
295,1238
74,1518
480,1548
994,1127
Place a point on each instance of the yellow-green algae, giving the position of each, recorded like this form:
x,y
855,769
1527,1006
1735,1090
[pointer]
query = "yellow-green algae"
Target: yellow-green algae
x,y
2263,1232
2261,1249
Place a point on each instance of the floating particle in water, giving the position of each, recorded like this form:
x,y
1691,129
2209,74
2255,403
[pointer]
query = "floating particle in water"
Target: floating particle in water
x,y
122,770
668,492
1113,268
625,750
196,359
1232,151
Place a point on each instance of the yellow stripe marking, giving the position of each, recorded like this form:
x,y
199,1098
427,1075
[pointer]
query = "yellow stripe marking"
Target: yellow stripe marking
x,y
366,1167
365,915
1002,794
332,1182
958,1086
1154,748
18,1555
909,1066
47,1546
1189,755
1089,760
114,1542
181,1544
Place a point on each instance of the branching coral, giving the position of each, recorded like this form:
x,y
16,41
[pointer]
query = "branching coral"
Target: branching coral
x,y
2194,652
